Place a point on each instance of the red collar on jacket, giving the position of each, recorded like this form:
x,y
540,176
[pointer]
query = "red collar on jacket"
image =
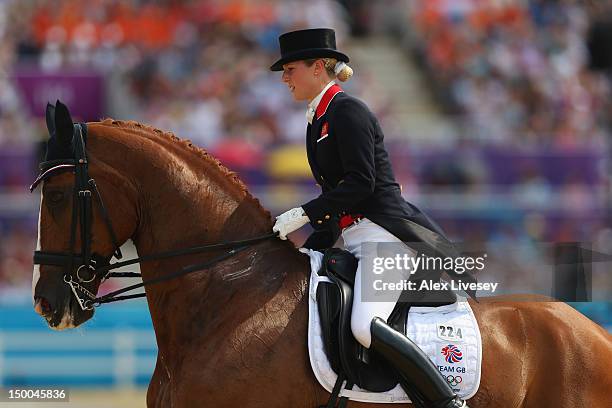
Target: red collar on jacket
x,y
328,96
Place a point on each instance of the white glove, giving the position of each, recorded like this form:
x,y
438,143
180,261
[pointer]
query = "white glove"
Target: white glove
x,y
290,221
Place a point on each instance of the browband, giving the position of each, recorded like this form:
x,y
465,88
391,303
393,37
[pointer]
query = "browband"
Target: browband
x,y
51,171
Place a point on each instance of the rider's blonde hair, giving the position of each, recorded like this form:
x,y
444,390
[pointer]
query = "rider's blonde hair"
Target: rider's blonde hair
x,y
330,66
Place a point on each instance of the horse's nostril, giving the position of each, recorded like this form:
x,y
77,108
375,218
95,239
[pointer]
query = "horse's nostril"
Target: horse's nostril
x,y
44,306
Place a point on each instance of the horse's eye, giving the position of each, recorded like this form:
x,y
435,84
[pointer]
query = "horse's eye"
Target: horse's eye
x,y
55,197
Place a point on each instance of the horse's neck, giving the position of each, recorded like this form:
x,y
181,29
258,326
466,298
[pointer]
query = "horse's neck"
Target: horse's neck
x,y
193,206
184,196
184,204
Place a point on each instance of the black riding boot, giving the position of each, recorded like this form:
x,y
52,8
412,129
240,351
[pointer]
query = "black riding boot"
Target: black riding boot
x,y
413,366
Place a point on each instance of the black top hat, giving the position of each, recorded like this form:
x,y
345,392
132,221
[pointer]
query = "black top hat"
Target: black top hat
x,y
307,44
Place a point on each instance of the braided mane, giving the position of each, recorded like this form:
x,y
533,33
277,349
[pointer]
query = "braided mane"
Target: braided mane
x,y
188,146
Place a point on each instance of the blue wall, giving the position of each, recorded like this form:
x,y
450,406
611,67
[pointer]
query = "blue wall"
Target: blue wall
x,y
117,347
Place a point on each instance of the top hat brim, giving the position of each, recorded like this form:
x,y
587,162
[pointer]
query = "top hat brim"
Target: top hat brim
x,y
308,54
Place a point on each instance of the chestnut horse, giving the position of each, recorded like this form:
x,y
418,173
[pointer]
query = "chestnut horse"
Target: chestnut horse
x,y
234,335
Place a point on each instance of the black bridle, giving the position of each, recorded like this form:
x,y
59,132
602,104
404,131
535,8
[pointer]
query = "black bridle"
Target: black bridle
x,y
91,266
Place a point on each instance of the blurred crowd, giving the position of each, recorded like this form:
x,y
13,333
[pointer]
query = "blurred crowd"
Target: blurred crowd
x,y
515,70
199,68
511,75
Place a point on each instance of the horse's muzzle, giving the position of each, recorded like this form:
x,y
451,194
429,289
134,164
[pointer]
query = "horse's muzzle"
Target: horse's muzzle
x,y
42,306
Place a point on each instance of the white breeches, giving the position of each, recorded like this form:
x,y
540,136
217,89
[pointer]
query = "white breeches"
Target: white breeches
x,y
363,312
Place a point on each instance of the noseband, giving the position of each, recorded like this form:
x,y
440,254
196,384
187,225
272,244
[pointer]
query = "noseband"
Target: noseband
x,y
85,267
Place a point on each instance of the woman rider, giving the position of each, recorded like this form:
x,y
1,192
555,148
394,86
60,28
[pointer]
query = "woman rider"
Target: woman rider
x,y
348,160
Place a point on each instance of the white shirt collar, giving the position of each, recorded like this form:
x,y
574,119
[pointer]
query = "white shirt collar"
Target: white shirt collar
x,y
312,106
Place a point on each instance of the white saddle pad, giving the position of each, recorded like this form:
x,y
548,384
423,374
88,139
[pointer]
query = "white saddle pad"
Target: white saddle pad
x,y
449,335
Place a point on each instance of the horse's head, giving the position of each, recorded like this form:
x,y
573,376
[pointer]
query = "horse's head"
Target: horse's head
x,y
75,235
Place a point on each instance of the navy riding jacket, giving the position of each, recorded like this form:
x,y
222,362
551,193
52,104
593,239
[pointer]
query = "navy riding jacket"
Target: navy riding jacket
x,y
348,159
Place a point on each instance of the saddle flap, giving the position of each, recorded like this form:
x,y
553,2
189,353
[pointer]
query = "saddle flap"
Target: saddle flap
x,y
345,354
328,301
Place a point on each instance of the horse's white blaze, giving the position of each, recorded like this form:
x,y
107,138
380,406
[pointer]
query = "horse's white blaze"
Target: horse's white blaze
x,y
36,272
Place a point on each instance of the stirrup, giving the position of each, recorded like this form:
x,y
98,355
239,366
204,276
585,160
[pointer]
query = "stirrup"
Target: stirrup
x,y
457,400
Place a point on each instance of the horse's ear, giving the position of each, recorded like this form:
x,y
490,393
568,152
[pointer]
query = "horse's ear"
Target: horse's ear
x,y
63,124
50,117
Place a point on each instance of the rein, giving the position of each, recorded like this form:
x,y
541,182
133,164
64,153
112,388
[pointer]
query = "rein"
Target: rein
x,y
92,266
91,301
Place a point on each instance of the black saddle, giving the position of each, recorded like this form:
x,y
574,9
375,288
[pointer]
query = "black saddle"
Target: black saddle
x,y
347,357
